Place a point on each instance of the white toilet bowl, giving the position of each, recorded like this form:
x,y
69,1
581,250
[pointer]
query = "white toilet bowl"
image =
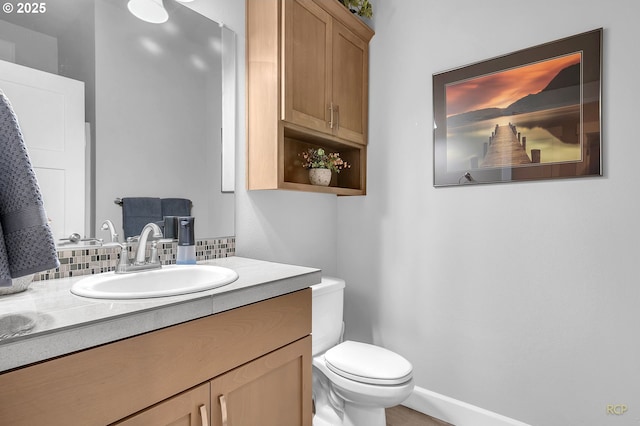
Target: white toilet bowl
x,y
353,382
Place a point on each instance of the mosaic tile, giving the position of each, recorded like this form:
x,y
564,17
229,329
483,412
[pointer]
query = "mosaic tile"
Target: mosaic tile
x,y
104,259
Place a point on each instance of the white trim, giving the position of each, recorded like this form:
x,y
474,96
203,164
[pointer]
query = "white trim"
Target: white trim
x,y
456,412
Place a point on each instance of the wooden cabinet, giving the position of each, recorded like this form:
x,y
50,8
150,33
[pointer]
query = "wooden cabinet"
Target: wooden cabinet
x,y
307,86
266,391
350,89
307,70
269,391
190,408
325,73
167,376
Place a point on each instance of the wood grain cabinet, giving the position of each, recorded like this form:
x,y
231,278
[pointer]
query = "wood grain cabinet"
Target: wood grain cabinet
x,y
190,408
266,391
244,367
307,86
325,73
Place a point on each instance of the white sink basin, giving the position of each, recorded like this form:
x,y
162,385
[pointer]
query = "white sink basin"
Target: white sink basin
x,y
170,280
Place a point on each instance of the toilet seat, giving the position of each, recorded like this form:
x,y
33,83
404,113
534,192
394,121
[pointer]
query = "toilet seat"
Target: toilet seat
x,y
365,363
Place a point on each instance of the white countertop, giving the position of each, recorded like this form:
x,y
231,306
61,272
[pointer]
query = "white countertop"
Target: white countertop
x,y
67,323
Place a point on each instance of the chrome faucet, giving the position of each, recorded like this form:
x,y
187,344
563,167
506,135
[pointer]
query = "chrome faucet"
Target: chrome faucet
x,y
107,225
150,232
146,235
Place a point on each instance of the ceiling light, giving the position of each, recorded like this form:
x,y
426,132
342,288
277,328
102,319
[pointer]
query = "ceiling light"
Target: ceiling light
x,y
152,11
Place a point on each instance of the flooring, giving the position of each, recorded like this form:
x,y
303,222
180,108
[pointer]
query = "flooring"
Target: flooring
x,y
403,416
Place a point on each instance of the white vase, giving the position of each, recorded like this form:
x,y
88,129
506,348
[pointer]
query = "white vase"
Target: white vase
x,y
320,177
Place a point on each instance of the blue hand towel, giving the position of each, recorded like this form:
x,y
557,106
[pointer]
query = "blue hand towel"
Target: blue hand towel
x,y
27,245
137,212
176,207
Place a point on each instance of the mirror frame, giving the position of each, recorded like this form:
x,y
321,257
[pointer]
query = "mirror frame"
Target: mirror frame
x,y
229,81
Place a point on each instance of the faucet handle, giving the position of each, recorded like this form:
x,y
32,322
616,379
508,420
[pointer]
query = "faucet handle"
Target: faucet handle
x,y
123,263
153,257
107,225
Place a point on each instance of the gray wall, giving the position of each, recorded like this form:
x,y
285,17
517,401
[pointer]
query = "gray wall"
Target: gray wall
x,y
519,298
32,49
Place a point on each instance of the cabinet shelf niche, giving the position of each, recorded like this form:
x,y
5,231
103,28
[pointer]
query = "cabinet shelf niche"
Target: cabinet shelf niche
x,y
348,182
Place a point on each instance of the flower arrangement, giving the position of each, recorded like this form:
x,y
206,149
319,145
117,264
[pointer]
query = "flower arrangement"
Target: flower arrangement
x,y
359,7
319,159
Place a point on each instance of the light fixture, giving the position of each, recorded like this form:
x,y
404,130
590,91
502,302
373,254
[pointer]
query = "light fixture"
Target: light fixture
x,y
152,11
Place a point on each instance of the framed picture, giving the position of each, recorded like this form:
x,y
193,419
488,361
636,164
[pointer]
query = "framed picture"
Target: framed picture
x,y
532,114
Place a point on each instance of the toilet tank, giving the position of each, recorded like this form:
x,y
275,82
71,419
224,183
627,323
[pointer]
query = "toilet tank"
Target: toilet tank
x,y
326,307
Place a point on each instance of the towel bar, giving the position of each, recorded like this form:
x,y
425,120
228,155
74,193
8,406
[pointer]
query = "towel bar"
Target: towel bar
x,y
118,201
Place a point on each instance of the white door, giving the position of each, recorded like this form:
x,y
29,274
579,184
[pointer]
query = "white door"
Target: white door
x,y
50,111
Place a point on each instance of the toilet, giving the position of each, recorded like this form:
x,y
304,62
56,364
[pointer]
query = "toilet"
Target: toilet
x,y
353,382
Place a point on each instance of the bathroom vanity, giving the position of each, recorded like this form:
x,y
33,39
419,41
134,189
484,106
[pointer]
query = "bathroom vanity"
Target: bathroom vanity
x,y
247,360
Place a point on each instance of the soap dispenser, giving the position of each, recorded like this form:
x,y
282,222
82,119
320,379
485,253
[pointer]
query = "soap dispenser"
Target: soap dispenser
x,y
186,241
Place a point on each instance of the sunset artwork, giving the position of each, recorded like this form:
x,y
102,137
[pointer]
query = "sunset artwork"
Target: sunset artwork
x,y
531,114
517,117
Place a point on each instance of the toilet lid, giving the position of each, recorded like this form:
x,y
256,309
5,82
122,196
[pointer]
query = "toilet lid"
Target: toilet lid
x,y
368,364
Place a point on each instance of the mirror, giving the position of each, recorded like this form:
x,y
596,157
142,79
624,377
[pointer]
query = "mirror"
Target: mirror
x,y
153,103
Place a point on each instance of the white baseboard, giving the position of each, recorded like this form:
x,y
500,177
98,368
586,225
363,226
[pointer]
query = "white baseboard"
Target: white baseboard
x,y
456,412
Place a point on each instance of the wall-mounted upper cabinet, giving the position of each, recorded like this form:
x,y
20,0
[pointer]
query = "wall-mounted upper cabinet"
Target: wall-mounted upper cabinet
x,y
325,72
307,86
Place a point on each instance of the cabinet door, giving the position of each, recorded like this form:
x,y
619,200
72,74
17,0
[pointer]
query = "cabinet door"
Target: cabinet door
x,y
307,61
350,84
273,390
190,408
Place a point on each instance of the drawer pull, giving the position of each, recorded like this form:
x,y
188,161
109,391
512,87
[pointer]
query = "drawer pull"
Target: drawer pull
x,y
223,409
204,416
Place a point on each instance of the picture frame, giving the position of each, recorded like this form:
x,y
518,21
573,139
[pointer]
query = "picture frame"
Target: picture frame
x,y
532,114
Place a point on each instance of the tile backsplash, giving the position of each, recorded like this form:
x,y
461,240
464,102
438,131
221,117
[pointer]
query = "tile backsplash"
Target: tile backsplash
x,y
94,260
